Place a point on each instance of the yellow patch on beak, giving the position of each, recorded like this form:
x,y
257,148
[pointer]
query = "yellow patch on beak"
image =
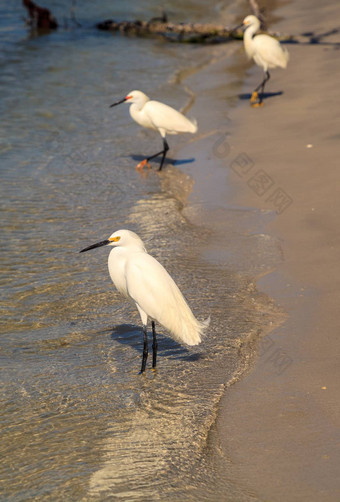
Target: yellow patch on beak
x,y
114,239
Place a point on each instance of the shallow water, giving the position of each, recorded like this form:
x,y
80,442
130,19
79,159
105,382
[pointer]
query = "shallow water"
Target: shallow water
x,y
78,421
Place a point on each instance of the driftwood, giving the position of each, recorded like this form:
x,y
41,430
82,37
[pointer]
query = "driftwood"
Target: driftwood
x,y
39,17
180,32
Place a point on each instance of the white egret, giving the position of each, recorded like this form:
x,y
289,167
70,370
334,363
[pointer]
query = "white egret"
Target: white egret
x,y
142,279
159,117
266,51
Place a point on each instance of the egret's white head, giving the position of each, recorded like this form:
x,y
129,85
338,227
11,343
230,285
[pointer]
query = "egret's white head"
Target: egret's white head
x,y
137,97
125,238
120,238
251,21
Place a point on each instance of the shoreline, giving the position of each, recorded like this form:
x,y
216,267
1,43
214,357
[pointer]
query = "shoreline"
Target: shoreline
x,y
281,414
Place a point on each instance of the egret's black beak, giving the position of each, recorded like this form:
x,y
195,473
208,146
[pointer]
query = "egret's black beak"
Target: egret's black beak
x,y
98,245
238,27
118,102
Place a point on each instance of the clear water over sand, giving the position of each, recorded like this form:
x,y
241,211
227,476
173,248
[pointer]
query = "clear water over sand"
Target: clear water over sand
x,y
79,422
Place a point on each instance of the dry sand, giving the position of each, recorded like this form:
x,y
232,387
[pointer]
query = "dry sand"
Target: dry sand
x,y
280,425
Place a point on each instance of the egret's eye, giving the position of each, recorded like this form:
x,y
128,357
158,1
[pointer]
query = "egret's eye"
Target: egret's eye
x,y
114,239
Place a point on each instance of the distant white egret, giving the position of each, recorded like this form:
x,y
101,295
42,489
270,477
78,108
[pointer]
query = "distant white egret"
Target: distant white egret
x,y
142,279
159,117
265,50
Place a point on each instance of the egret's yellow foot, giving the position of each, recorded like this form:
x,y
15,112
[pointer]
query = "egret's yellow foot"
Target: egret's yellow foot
x,y
254,97
256,105
140,166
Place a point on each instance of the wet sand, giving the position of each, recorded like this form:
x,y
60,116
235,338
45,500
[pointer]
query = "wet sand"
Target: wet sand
x,y
279,427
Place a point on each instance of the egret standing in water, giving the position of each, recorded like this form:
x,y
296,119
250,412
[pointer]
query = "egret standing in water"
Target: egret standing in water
x,y
142,279
159,117
265,50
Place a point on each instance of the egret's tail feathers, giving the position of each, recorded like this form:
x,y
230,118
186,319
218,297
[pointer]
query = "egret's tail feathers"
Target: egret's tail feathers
x,y
194,127
202,327
192,332
285,58
206,323
182,324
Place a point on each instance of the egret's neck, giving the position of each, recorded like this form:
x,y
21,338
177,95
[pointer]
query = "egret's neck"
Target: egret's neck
x,y
137,112
248,40
138,105
126,250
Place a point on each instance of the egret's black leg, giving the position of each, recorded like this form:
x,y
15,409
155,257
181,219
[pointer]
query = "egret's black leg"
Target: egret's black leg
x,y
265,80
162,152
261,86
154,345
166,148
145,348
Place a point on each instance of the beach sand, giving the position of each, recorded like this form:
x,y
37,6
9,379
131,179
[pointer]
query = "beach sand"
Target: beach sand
x,y
279,426
274,172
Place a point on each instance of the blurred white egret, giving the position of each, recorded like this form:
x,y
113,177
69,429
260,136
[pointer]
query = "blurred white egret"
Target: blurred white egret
x,y
266,51
159,117
142,279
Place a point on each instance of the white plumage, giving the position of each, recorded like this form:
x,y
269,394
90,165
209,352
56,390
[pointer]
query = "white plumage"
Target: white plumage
x,y
266,51
159,117
143,280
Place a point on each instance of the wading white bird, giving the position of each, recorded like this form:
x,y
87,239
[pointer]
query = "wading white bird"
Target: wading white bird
x,y
159,117
265,50
142,279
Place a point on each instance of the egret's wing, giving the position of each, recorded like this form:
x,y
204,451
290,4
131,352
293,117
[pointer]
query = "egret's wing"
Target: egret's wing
x,y
156,293
150,285
271,51
170,120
